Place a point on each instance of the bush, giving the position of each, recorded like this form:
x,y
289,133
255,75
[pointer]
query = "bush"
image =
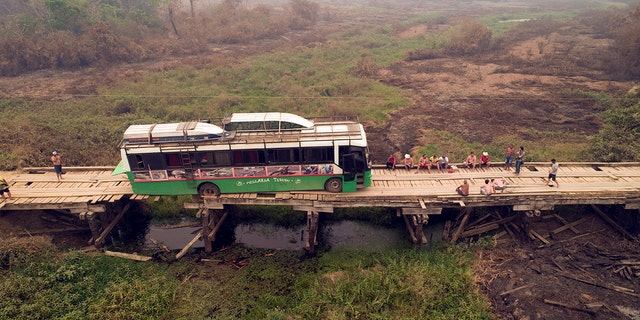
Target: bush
x,y
469,38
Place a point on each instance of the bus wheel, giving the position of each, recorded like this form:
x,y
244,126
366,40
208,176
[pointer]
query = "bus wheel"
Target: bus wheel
x,y
208,189
333,185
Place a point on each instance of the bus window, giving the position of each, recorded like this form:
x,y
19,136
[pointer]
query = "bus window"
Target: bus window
x,y
173,160
318,155
205,159
248,157
222,158
136,160
272,125
152,161
283,155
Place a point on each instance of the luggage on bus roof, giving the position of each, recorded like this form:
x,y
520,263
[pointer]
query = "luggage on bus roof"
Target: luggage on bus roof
x,y
265,121
172,132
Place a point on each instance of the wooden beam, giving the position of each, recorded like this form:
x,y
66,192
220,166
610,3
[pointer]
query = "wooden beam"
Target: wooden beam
x,y
613,223
568,226
100,240
564,221
218,224
412,234
458,231
186,248
130,256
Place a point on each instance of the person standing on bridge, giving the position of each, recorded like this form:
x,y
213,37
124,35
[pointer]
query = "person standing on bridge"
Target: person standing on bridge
x,y
57,164
4,188
519,159
553,171
508,157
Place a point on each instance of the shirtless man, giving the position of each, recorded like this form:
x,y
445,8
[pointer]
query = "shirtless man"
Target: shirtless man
x,y
487,188
508,157
423,163
57,164
463,189
471,161
498,185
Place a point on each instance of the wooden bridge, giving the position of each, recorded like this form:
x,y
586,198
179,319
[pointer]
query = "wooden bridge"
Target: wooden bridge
x,y
93,194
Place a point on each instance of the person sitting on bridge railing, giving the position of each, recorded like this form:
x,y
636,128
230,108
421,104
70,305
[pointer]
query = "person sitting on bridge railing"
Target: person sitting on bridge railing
x,y
391,162
408,162
423,163
484,159
443,163
433,162
471,161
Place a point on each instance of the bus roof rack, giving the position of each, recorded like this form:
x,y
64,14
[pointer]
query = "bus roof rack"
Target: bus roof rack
x,y
265,121
171,132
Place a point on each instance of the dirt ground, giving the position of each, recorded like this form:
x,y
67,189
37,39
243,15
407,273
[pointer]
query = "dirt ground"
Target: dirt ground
x,y
580,274
589,271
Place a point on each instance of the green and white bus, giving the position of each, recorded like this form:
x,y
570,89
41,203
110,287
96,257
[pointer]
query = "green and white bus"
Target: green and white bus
x,y
251,152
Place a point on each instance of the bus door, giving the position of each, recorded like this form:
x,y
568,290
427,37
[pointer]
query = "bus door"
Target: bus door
x,y
349,167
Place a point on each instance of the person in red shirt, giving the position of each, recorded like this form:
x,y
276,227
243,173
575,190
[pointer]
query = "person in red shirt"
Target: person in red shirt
x,y
391,162
484,159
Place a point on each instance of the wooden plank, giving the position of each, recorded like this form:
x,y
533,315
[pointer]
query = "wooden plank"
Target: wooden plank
x,y
129,256
567,225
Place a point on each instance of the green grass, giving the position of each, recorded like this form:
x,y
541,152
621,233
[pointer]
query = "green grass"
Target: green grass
x,y
404,284
501,23
539,146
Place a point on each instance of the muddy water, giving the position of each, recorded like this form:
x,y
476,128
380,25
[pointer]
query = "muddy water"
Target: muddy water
x,y
332,234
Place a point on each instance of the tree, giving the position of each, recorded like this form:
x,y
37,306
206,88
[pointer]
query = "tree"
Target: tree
x,y
64,15
619,138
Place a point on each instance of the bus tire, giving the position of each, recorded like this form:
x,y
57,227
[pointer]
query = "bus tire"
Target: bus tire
x,y
208,189
333,185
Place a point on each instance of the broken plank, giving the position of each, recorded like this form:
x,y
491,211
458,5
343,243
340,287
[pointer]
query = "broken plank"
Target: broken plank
x,y
568,226
564,305
130,256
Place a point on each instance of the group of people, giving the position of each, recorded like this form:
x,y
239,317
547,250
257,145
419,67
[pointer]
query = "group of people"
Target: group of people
x,y
442,163
492,186
472,160
424,163
489,187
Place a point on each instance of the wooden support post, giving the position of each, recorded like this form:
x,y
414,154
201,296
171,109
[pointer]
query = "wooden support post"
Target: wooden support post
x,y
205,217
94,226
412,234
312,230
467,212
419,221
217,220
100,240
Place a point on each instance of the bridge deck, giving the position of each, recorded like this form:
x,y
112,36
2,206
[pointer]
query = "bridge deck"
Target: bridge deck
x,y
580,183
80,188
